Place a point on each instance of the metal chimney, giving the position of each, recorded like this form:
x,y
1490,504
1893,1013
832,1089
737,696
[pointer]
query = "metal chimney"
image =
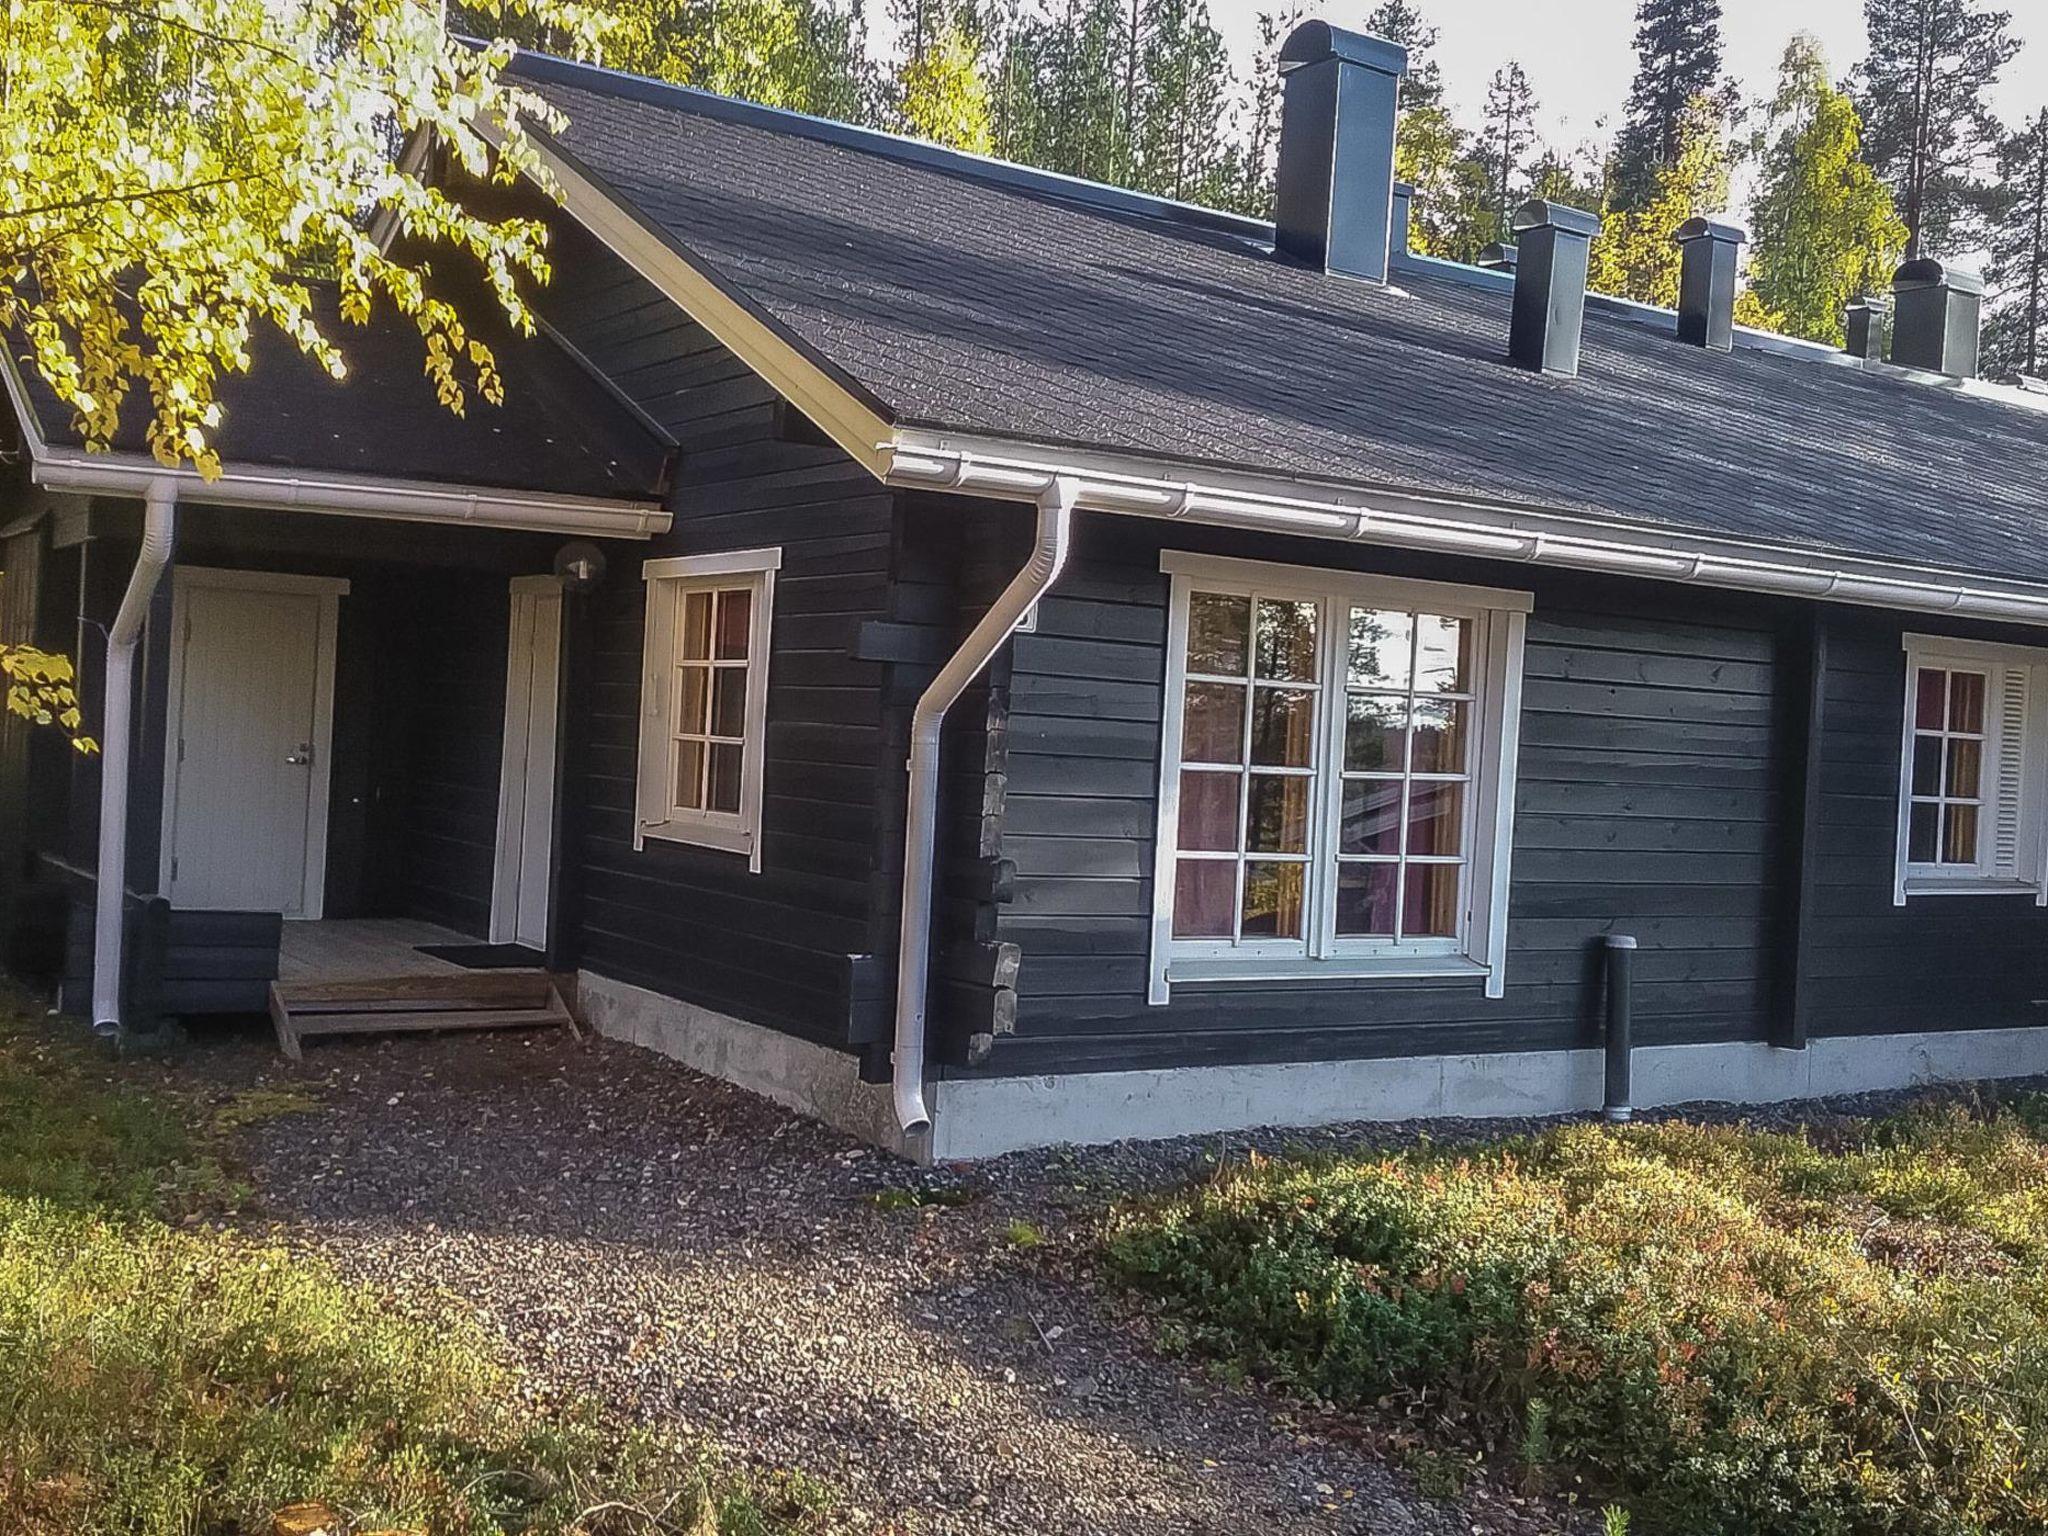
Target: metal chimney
x,y
1864,329
1498,257
1333,204
1550,285
1935,318
1706,283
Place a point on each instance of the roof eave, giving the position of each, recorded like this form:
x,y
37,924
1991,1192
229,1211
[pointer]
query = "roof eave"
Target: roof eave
x,y
258,486
1132,485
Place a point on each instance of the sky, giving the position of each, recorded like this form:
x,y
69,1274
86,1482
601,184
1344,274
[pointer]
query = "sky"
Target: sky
x,y
1579,54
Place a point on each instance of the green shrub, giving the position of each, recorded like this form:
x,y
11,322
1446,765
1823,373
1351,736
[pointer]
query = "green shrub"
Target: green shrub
x,y
1727,1331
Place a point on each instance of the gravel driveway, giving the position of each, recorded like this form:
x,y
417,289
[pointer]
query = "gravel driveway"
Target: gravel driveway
x,y
696,1256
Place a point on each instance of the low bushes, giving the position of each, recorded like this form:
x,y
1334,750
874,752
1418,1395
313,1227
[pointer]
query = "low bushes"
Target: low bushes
x,y
1724,1330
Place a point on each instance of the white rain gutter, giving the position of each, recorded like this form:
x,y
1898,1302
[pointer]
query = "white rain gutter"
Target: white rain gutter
x,y
117,731
1447,526
1056,502
114,474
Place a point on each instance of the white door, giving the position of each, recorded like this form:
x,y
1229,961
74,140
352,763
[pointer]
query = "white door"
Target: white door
x,y
245,794
526,781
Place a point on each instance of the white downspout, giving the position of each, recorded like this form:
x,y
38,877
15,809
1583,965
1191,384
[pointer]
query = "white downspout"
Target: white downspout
x,y
913,952
159,519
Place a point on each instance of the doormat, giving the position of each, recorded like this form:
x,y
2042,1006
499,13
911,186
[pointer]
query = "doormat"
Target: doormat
x,y
485,957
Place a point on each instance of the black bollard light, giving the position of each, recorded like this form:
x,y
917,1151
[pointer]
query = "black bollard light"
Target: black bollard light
x,y
1621,957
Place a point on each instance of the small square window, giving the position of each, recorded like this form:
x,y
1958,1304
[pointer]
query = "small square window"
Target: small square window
x,y
704,705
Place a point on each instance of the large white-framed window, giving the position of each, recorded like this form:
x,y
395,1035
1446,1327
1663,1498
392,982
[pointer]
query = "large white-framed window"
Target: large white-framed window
x,y
1337,775
704,700
1972,753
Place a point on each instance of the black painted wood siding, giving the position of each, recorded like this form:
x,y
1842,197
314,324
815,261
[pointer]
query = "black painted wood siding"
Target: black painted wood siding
x,y
782,947
1657,743
1938,962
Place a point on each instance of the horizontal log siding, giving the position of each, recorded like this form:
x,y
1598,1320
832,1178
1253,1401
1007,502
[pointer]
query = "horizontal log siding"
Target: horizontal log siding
x,y
777,947
1939,962
1651,801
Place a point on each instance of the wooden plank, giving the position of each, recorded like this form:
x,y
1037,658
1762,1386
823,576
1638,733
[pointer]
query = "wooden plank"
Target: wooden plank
x,y
306,1026
511,985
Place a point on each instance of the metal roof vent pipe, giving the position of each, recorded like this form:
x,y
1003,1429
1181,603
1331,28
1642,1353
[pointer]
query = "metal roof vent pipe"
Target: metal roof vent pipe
x,y
1499,256
1936,313
1864,328
1404,206
1334,200
1706,283
1551,248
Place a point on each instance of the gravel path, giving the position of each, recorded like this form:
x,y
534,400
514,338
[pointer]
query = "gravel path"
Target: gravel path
x,y
696,1256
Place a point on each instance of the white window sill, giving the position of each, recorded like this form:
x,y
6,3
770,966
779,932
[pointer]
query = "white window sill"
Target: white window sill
x,y
724,839
1968,885
1356,968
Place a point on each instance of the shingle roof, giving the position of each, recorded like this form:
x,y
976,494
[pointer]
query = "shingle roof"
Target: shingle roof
x,y
559,432
966,298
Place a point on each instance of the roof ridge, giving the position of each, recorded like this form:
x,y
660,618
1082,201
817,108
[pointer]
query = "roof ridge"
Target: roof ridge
x,y
533,64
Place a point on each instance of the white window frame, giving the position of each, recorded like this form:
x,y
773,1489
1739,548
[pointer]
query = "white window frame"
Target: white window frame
x,y
655,815
2012,843
1500,618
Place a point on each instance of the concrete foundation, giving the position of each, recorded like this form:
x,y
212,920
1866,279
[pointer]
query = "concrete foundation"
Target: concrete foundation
x,y
985,1117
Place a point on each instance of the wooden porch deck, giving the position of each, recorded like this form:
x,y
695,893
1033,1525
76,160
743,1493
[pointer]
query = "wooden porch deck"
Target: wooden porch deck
x,y
363,949
367,976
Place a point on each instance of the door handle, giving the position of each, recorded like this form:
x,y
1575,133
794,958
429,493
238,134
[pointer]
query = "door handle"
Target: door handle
x,y
303,756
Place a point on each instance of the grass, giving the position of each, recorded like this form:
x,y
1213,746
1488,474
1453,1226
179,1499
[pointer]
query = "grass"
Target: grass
x,y
1709,1329
160,1374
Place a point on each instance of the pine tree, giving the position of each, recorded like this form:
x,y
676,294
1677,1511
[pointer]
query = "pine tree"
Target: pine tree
x,y
1181,113
2016,338
1400,22
1256,159
1678,60
1928,125
1507,139
1822,227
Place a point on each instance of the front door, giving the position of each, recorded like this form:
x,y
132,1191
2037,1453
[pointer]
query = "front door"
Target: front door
x,y
526,780
245,812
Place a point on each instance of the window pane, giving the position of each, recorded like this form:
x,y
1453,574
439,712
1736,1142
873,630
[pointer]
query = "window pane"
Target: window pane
x,y
1212,726
1374,731
689,783
692,700
1272,901
1965,758
1287,641
1283,727
1930,699
1218,627
725,777
1924,840
734,610
729,702
1372,817
1443,662
1277,820
1966,702
1380,646
1204,898
1926,765
1436,818
695,641
1440,731
1365,898
1208,812
1959,834
1431,907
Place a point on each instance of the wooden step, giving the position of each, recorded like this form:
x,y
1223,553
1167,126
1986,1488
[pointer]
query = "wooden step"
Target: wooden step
x,y
518,999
